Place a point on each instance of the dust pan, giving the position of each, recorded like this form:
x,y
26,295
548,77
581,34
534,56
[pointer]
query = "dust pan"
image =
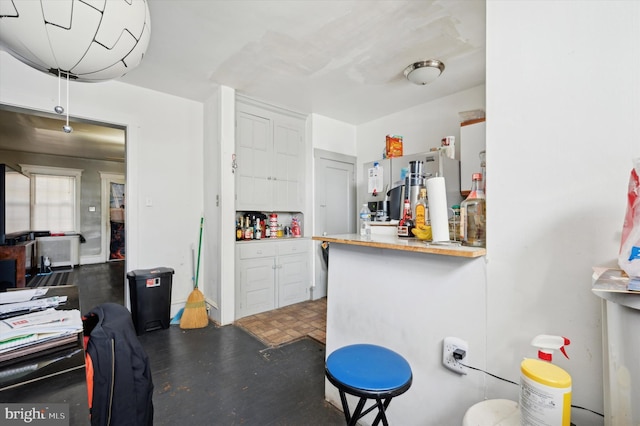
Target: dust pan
x,y
195,310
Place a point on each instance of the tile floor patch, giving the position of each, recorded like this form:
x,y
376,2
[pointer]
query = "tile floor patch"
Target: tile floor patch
x,y
290,323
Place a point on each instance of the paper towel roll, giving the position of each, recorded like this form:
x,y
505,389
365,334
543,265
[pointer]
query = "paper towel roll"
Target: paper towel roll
x,y
438,210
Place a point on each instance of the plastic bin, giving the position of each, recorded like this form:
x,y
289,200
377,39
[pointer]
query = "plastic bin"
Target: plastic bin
x,y
150,293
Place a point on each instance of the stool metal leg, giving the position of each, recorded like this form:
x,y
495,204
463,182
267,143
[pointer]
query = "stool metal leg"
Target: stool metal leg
x,y
382,414
352,419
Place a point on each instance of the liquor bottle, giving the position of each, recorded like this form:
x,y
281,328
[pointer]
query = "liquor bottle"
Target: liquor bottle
x,y
257,233
421,214
239,231
473,217
406,223
248,230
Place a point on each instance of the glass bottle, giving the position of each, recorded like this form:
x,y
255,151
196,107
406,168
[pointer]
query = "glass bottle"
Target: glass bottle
x,y
473,215
248,230
257,233
239,231
421,214
406,223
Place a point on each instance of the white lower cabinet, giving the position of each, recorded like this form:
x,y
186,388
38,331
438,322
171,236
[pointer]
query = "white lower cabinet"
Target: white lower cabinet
x,y
271,274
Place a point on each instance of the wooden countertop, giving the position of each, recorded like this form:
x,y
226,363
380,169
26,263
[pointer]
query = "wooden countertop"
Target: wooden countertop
x,y
404,244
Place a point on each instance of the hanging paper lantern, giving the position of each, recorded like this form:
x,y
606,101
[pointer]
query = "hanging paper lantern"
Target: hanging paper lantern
x,y
91,40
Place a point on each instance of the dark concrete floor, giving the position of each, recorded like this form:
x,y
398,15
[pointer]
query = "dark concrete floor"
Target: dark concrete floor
x,y
209,376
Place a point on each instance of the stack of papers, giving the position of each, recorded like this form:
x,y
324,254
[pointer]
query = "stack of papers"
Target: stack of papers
x,y
30,326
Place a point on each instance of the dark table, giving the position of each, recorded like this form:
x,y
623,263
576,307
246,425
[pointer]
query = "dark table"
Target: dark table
x,y
55,375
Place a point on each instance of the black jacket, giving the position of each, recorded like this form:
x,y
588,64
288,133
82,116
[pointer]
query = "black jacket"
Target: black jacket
x,y
121,382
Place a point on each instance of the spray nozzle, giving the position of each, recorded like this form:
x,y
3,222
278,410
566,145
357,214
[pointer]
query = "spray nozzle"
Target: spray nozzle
x,y
546,344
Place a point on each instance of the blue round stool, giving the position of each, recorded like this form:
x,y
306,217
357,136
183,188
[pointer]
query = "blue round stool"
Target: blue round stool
x,y
368,372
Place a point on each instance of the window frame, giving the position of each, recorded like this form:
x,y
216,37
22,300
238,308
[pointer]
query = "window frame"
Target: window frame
x,y
30,169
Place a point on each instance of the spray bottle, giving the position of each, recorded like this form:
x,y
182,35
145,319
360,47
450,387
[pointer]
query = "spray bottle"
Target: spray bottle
x,y
545,391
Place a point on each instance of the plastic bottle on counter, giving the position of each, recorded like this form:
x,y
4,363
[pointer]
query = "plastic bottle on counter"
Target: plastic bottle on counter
x,y
365,221
454,223
473,215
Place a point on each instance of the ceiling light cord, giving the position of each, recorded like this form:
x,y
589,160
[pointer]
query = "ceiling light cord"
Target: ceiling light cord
x,y
58,108
66,128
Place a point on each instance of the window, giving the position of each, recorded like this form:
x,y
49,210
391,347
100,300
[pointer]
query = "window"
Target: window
x,y
55,198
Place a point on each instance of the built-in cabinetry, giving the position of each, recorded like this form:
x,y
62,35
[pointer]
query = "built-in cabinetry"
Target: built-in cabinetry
x,y
270,149
270,152
472,142
271,274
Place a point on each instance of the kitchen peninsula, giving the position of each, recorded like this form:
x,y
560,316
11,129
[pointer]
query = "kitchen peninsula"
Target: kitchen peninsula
x,y
408,296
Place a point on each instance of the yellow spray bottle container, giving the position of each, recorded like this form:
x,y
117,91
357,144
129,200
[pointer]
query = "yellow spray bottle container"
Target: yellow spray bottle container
x,y
545,389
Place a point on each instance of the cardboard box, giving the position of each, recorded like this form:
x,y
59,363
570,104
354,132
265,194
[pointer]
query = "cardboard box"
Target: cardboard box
x,y
394,146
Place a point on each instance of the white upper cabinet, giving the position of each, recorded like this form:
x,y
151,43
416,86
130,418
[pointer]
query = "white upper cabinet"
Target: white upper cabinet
x,y
270,151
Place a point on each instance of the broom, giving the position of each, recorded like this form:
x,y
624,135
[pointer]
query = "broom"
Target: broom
x,y
195,311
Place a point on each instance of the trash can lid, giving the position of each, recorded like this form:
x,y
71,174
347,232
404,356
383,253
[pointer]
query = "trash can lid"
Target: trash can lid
x,y
149,273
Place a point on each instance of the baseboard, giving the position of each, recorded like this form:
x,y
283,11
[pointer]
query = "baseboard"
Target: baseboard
x,y
91,260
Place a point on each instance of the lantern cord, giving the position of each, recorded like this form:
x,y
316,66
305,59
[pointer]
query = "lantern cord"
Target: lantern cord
x,y
59,88
67,99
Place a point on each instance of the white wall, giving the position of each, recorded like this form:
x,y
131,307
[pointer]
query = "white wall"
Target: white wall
x,y
333,135
561,133
421,127
164,161
563,101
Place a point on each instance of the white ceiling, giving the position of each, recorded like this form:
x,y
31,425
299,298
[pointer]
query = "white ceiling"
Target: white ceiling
x,y
343,59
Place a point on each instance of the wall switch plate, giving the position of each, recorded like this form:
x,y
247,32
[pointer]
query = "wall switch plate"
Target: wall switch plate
x,y
449,345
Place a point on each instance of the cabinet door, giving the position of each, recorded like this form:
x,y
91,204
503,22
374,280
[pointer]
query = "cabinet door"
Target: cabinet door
x,y
254,152
255,286
293,278
288,161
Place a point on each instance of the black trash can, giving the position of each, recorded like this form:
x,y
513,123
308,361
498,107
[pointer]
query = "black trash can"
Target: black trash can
x,y
150,293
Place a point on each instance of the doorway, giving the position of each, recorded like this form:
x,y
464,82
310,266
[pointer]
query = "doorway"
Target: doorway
x,y
36,138
335,207
113,222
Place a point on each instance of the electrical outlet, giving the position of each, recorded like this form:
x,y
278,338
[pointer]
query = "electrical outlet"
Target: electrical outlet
x,y
449,345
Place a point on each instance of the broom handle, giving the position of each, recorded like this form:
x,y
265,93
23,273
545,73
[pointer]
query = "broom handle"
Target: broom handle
x,y
199,247
193,265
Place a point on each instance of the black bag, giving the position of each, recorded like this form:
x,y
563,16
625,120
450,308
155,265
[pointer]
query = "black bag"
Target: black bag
x,y
118,371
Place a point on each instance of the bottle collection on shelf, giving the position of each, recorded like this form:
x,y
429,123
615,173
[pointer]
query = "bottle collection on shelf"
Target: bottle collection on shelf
x,y
255,228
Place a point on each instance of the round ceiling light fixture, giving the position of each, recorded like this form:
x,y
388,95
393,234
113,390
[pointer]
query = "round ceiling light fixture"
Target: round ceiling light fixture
x,y
83,40
424,72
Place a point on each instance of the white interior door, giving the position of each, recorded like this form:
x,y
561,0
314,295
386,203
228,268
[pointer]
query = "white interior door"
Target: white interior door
x,y
335,206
